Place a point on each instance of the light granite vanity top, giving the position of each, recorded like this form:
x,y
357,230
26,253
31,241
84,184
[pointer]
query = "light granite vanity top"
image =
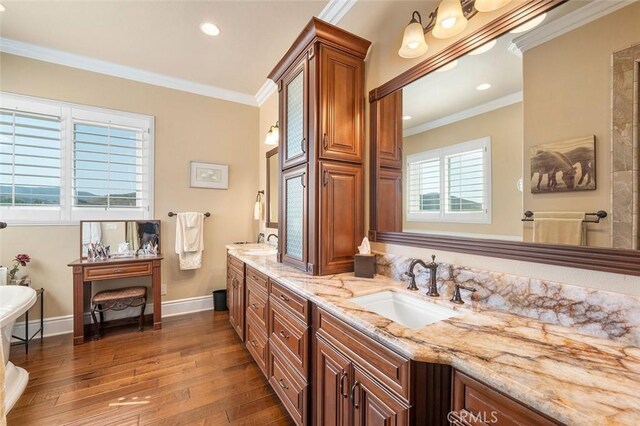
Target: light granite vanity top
x,y
574,378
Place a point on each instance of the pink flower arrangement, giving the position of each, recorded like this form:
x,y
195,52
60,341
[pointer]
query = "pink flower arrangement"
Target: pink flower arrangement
x,y
18,261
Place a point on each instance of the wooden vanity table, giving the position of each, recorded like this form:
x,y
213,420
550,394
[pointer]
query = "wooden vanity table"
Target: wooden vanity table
x,y
85,271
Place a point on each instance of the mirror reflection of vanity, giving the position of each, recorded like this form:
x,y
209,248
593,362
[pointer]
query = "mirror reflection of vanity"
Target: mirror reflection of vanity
x,y
125,238
271,205
466,142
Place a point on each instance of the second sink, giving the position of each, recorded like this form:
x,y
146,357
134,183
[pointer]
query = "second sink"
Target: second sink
x,y
403,309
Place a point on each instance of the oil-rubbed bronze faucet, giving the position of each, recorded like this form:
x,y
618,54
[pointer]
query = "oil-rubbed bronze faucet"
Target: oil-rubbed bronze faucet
x,y
457,299
432,267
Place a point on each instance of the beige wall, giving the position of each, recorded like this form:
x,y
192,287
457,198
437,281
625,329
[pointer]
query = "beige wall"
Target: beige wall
x,y
504,126
567,95
187,127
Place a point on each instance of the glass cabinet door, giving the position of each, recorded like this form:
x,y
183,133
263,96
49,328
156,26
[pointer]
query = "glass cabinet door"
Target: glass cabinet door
x,y
294,199
294,104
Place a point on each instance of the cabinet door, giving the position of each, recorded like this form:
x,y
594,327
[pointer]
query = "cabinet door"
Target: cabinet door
x,y
341,203
294,217
341,105
332,404
373,405
236,312
230,276
389,130
389,200
294,114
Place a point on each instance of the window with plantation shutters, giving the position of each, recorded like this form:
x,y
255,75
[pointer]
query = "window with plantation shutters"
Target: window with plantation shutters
x,y
450,184
63,162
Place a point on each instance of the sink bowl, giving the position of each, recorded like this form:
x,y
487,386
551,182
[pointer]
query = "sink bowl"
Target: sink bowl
x,y
261,252
403,309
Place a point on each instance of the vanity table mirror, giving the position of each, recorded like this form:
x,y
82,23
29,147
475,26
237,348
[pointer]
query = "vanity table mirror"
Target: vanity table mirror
x,y
271,205
125,238
479,144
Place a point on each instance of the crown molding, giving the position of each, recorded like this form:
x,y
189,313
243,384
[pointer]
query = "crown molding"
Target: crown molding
x,y
569,22
467,113
86,63
332,13
335,10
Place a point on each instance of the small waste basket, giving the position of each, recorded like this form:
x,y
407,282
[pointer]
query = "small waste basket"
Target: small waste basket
x,y
220,300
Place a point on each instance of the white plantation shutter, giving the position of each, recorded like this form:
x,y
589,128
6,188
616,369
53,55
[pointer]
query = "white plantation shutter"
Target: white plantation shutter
x,y
30,158
451,184
62,162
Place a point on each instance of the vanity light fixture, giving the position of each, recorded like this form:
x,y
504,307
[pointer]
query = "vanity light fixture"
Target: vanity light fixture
x,y
483,86
273,135
529,25
209,29
2,8
407,117
448,20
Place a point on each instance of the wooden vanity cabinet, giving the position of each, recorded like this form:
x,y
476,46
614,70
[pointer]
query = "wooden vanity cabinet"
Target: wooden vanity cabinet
x,y
477,404
321,116
235,294
256,318
357,380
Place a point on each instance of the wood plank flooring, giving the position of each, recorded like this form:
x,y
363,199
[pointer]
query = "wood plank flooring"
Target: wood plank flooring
x,y
193,371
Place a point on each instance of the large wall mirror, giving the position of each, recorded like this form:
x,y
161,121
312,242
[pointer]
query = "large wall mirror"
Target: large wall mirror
x,y
519,141
271,205
125,238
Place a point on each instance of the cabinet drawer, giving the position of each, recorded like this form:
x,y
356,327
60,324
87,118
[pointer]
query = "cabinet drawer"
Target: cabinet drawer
x,y
257,303
257,344
290,388
297,305
104,272
475,403
291,337
257,277
385,365
235,263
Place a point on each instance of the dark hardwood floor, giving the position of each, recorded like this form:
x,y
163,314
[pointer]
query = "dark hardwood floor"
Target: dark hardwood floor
x,y
193,371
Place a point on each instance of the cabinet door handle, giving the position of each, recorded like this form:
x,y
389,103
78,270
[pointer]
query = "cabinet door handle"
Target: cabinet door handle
x,y
254,343
303,145
118,271
342,385
325,141
283,385
325,177
353,395
283,334
254,306
284,298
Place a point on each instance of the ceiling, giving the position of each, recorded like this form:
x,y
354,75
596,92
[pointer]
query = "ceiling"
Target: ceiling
x,y
164,37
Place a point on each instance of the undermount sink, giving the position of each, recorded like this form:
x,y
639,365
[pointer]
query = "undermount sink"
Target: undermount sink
x,y
403,309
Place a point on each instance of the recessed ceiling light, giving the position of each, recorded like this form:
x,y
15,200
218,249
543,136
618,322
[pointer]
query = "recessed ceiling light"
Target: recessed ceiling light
x,y
484,48
483,86
210,29
2,8
529,25
407,117
449,66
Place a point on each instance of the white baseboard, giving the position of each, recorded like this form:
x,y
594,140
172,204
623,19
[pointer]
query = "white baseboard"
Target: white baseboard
x,y
64,324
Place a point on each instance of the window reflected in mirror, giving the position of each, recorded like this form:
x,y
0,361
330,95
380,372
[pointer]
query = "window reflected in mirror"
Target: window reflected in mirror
x,y
123,238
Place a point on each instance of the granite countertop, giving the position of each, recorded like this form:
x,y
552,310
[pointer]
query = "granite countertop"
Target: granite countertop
x,y
574,378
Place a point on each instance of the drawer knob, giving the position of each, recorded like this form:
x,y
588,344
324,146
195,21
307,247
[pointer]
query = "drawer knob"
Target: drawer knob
x,y
254,343
118,271
283,334
284,298
283,385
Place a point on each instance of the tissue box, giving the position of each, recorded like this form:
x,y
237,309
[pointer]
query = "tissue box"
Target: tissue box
x,y
364,265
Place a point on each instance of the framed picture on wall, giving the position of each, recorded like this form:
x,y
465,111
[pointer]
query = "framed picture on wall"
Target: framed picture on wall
x,y
209,175
566,166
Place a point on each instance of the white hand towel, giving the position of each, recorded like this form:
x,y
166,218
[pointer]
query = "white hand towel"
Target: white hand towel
x,y
559,228
190,239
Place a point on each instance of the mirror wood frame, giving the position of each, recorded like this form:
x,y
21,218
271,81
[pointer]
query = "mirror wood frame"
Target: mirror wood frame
x,y
622,261
268,195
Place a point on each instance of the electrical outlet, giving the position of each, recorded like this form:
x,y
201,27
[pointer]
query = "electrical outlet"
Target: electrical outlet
x,y
163,289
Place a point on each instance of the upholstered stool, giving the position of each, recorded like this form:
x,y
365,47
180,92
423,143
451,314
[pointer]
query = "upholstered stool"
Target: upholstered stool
x,y
117,300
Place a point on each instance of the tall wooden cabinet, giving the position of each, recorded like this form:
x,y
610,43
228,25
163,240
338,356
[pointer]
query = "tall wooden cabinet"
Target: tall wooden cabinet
x,y
321,93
